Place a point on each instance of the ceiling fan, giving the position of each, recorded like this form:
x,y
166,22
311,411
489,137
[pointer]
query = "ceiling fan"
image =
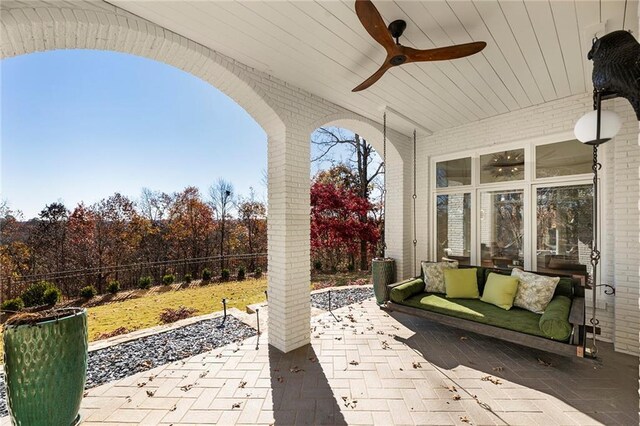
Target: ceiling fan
x,y
398,54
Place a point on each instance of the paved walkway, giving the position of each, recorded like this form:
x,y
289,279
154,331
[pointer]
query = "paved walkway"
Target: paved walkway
x,y
372,367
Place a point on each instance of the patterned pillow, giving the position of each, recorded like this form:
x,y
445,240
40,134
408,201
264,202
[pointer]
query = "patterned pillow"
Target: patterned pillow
x,y
434,275
534,291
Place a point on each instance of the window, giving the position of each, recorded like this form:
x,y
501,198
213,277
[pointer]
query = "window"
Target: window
x,y
502,166
563,159
528,205
502,228
454,227
453,173
564,217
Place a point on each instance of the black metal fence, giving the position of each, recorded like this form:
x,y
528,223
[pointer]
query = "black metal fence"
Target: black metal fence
x,y
128,276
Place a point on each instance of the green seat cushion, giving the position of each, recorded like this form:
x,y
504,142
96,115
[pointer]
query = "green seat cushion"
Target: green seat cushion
x,y
406,290
500,290
554,322
461,283
476,310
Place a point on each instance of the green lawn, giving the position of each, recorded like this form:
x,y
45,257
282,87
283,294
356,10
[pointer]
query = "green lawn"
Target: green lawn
x,y
139,309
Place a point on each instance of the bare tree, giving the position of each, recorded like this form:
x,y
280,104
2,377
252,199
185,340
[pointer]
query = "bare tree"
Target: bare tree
x,y
362,160
222,197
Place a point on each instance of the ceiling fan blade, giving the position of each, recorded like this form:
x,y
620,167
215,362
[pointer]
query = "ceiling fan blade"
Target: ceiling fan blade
x,y
375,77
443,53
374,24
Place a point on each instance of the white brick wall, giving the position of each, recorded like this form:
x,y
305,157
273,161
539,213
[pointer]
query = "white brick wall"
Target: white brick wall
x,y
619,316
287,114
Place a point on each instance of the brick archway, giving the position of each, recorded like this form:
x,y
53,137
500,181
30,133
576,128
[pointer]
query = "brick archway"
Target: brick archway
x,y
26,30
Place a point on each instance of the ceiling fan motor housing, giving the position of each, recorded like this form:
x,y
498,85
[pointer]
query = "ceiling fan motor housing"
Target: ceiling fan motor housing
x,y
396,28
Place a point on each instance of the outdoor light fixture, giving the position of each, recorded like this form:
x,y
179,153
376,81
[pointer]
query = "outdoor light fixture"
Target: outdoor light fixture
x,y
597,126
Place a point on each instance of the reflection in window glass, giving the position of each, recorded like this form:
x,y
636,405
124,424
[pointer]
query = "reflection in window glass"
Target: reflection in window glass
x,y
502,228
502,166
453,172
453,225
564,218
563,158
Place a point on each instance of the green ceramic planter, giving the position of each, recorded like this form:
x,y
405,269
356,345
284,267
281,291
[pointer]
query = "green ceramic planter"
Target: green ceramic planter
x,y
45,368
384,273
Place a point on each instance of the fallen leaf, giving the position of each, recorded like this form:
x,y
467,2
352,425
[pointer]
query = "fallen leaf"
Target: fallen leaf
x,y
174,407
235,405
498,368
354,362
543,362
456,397
491,379
464,419
295,369
150,393
417,365
141,384
463,337
186,388
242,385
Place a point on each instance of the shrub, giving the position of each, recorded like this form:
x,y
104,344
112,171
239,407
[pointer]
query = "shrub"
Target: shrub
x,y
206,275
225,275
88,292
113,287
168,279
241,273
170,315
35,294
187,278
14,305
51,296
145,282
351,267
317,265
258,273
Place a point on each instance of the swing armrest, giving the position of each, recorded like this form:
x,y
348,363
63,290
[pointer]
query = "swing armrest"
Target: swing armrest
x,y
577,312
393,285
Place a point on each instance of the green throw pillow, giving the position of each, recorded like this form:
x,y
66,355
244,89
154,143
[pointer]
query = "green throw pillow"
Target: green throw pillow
x,y
461,283
500,290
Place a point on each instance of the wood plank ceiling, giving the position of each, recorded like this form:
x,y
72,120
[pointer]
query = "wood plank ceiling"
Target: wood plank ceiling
x,y
536,50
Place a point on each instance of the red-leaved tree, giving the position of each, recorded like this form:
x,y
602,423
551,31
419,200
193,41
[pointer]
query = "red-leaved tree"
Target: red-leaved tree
x,y
336,225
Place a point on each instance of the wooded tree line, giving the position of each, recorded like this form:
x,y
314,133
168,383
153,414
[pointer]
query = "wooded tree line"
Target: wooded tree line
x,y
158,228
179,233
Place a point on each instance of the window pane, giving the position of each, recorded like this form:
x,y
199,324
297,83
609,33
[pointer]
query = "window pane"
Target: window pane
x,y
453,225
563,158
502,228
502,166
565,227
453,172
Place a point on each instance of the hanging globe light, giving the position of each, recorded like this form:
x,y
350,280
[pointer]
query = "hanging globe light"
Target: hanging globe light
x,y
586,129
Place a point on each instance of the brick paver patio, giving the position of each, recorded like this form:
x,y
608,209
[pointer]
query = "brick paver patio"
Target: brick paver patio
x,y
372,367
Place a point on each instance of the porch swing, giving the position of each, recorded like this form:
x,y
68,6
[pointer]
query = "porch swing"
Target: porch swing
x,y
565,312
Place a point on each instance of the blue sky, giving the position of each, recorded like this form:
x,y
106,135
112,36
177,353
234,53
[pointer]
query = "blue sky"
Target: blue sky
x,y
81,125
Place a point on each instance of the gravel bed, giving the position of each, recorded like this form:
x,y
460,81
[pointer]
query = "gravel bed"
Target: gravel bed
x,y
341,297
125,359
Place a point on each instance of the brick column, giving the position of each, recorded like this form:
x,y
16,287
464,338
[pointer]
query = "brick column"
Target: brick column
x,y
288,232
